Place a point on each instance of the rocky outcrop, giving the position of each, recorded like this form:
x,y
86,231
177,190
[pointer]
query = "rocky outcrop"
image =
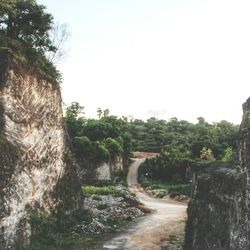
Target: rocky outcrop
x,y
91,172
106,171
33,168
218,213
108,210
244,147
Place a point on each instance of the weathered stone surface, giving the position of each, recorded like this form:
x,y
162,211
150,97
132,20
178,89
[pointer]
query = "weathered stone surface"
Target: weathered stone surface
x,y
218,213
34,129
91,172
107,209
107,170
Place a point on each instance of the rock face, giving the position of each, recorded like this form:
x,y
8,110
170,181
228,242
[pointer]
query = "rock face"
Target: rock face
x,y
106,170
33,151
218,213
244,147
90,172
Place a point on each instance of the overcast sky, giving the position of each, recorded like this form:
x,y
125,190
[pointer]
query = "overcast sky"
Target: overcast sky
x,y
162,58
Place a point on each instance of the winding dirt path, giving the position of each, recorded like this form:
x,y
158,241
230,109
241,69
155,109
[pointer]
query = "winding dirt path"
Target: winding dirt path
x,y
149,232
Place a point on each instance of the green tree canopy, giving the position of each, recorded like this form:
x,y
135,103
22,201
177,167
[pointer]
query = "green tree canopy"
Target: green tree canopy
x,y
27,22
24,33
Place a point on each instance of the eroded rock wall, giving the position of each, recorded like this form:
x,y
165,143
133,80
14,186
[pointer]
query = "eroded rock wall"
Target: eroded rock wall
x,y
218,213
108,170
34,128
244,147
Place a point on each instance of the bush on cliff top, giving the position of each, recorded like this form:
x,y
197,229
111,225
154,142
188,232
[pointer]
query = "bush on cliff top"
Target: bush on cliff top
x,y
24,36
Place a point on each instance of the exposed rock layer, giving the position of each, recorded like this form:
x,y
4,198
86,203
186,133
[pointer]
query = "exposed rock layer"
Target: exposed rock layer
x,y
108,170
33,165
218,214
90,171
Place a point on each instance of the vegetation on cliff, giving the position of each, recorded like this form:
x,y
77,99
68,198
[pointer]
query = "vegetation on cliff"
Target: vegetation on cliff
x,y
95,141
24,36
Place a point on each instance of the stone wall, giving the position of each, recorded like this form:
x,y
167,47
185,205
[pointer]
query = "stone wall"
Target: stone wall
x,y
218,213
32,164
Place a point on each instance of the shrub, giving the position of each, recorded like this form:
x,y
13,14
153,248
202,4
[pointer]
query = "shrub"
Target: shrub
x,y
102,206
114,147
107,190
97,198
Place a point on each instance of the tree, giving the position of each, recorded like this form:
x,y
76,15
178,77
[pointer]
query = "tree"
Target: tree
x,y
75,119
114,147
207,154
24,34
106,112
26,22
229,154
59,35
102,113
99,113
75,110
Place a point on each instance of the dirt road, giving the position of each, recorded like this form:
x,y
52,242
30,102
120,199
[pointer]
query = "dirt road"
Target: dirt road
x,y
149,232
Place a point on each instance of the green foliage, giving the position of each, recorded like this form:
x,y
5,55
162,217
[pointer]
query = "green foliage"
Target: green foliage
x,y
92,151
164,168
97,197
188,138
26,22
229,154
97,140
55,232
207,154
102,113
24,30
102,206
75,110
172,188
106,190
114,147
44,227
101,153
177,141
98,130
83,146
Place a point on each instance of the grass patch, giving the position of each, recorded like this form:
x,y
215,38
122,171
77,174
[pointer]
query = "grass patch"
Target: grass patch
x,y
174,189
106,190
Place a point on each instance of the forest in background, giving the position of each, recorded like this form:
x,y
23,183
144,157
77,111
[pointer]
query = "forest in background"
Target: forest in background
x,y
176,141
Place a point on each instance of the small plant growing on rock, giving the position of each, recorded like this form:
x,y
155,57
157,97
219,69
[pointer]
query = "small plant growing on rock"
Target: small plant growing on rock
x,y
97,198
102,206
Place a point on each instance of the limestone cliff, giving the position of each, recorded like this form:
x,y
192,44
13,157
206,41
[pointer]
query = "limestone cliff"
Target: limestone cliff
x,y
219,212
33,148
105,171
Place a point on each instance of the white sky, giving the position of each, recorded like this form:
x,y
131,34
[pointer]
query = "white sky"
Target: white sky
x,y
162,58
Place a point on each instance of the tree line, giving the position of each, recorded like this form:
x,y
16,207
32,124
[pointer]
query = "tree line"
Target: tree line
x,y
176,141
